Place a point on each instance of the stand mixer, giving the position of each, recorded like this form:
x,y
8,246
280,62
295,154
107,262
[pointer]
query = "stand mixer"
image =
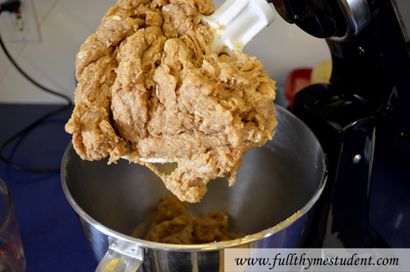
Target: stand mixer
x,y
361,117
357,118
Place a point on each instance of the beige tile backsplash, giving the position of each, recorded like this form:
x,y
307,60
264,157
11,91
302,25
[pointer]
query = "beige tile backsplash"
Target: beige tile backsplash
x,y
64,24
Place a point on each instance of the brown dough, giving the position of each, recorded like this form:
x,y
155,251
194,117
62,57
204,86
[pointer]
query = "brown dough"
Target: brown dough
x,y
174,224
149,87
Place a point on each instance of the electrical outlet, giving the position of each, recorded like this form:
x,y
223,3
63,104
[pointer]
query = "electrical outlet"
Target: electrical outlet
x,y
23,27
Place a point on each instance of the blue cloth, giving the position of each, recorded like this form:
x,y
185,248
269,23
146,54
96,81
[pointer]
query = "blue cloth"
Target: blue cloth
x,y
51,231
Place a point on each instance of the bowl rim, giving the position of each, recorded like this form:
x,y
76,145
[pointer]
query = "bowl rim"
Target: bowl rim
x,y
207,246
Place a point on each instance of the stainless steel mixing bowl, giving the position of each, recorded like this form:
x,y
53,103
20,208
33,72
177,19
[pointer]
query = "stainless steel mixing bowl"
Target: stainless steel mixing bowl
x,y
271,203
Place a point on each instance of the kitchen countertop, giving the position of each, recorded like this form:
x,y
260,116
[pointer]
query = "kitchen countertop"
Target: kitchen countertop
x,y
51,231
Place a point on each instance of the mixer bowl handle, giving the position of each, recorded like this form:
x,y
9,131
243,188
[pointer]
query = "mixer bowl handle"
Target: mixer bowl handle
x,y
121,257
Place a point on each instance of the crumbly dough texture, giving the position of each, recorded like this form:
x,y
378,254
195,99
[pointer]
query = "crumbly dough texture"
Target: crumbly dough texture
x,y
174,224
149,87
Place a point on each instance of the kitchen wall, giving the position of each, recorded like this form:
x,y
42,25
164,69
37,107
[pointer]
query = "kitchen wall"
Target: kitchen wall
x,y
64,24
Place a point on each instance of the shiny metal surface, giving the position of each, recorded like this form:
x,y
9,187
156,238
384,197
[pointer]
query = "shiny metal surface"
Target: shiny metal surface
x,y
284,177
358,16
402,9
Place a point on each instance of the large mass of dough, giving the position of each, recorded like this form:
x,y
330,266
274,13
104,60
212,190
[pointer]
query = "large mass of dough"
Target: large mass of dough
x,y
151,90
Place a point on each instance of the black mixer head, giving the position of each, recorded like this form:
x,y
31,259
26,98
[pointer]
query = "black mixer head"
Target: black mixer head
x,y
336,19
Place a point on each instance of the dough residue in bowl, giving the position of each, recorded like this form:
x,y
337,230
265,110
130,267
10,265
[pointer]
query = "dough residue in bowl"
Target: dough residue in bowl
x,y
172,223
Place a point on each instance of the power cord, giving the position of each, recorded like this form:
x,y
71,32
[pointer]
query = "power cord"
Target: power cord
x,y
13,6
